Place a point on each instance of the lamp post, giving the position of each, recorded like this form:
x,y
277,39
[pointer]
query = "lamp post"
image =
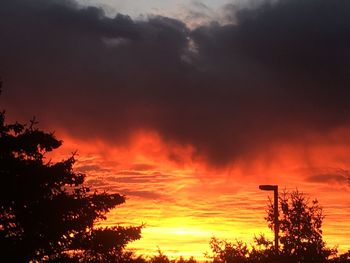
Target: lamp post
x,y
273,188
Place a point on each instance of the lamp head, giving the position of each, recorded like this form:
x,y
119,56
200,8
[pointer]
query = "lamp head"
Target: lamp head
x,y
267,187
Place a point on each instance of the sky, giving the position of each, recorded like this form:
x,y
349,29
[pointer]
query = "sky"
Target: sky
x,y
187,106
188,10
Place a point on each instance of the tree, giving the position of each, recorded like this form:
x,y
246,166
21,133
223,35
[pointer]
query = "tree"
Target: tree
x,y
300,223
46,212
228,252
263,251
343,258
160,258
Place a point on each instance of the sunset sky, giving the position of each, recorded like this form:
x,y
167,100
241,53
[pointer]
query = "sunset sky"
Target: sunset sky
x,y
187,106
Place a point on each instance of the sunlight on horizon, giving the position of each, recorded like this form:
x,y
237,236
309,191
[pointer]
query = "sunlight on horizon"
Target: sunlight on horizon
x,y
183,207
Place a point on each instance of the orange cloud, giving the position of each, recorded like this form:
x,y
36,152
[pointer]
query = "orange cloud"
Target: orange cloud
x,y
183,201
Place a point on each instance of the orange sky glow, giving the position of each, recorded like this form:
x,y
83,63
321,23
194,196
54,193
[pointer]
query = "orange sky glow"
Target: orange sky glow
x,y
183,202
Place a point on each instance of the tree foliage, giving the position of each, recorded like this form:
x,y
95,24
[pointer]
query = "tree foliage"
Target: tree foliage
x,y
225,251
46,212
160,257
300,224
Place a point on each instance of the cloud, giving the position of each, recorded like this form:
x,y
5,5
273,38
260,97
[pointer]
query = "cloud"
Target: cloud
x,y
142,167
142,194
92,168
339,176
279,74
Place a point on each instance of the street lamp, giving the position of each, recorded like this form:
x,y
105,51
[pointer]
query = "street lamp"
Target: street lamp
x,y
273,188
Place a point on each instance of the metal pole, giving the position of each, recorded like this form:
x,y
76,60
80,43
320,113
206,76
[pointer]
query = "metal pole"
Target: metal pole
x,y
273,188
275,208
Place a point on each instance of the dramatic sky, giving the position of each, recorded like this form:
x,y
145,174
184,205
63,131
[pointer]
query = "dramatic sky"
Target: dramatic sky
x,y
187,106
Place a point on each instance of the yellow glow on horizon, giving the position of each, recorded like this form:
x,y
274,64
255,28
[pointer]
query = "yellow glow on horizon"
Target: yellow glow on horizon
x,y
183,202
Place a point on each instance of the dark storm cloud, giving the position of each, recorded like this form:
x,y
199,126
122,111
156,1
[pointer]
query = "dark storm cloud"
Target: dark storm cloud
x,y
280,73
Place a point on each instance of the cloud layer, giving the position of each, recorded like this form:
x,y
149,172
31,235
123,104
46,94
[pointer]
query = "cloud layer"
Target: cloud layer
x,y
279,73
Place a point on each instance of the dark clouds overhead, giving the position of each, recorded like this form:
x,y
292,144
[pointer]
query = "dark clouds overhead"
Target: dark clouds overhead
x,y
281,72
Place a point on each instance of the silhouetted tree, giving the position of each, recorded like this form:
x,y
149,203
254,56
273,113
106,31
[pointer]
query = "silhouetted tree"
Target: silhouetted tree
x,y
183,260
300,237
300,223
342,258
228,252
159,258
162,258
235,252
263,250
46,212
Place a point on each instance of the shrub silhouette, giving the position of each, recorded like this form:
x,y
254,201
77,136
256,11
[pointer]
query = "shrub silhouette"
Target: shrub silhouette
x,y
225,251
162,258
159,258
46,212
